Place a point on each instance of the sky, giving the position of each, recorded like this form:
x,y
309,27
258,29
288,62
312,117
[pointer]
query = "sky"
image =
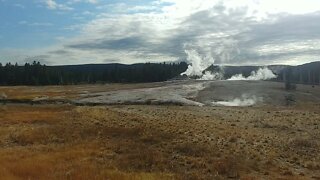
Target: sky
x,y
231,32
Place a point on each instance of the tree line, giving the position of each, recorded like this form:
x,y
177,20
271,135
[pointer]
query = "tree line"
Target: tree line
x,y
40,74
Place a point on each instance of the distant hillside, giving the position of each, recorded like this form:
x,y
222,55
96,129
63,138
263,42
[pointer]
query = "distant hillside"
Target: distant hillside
x,y
304,74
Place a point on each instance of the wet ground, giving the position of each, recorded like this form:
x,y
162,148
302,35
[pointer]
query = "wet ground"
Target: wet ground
x,y
201,93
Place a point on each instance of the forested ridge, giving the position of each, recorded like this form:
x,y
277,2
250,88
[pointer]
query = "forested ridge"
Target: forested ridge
x,y
39,74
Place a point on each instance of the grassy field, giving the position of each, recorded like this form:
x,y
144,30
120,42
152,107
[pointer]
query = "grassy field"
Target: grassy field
x,y
67,92
159,142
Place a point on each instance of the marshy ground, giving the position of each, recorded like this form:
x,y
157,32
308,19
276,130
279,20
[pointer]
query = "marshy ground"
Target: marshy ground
x,y
65,141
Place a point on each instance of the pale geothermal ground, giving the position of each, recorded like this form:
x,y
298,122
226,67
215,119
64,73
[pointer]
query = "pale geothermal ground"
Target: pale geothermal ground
x,y
170,130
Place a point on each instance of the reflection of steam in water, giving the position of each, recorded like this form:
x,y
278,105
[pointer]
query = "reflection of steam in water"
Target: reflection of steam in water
x,y
245,100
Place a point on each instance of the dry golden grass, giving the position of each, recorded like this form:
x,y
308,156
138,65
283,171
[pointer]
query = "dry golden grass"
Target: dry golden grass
x,y
29,114
157,142
68,149
63,163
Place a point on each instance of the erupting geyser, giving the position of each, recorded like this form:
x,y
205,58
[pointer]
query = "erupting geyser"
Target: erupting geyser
x,y
198,64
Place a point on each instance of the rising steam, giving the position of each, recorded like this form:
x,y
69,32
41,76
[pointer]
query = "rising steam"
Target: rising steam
x,y
211,76
198,64
262,74
245,100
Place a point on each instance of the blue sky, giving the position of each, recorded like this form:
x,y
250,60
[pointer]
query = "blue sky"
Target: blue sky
x,y
36,23
132,31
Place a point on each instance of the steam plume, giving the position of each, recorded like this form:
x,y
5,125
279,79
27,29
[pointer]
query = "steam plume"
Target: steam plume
x,y
197,62
245,100
211,76
262,74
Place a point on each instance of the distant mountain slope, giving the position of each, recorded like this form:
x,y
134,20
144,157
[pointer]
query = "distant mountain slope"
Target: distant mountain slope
x,y
307,73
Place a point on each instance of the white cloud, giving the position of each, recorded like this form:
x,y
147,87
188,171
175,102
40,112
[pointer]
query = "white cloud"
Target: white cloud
x,y
51,4
40,24
83,1
35,23
213,27
92,1
231,31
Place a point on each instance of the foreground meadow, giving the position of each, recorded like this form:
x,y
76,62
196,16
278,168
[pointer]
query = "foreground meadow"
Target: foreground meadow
x,y
159,142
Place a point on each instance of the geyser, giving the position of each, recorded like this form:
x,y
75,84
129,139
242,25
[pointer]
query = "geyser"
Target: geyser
x,y
262,74
198,64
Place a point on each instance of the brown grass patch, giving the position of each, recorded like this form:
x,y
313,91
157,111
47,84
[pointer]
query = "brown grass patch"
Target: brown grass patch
x,y
227,167
302,143
32,114
191,149
54,142
148,142
72,162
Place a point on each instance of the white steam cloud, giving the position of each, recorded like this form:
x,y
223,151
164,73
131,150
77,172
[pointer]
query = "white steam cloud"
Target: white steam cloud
x,y
197,62
262,74
211,76
245,100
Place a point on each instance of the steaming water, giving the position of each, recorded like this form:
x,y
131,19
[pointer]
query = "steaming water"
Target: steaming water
x,y
245,100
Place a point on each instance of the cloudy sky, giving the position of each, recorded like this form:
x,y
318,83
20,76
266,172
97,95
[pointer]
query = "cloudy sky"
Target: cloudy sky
x,y
233,32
